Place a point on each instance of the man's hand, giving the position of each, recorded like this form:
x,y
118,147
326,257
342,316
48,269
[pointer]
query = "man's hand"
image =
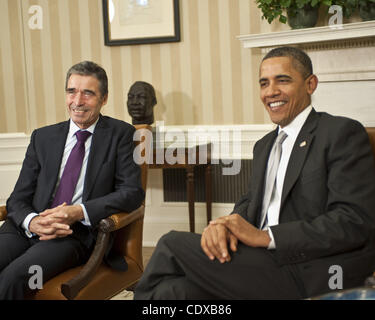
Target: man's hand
x,y
214,242
55,223
243,230
65,214
48,228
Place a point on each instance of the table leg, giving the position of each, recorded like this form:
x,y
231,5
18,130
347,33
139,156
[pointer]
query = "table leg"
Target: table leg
x,y
191,196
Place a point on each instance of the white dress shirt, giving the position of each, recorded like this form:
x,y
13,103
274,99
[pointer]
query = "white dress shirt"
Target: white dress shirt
x,y
71,141
292,130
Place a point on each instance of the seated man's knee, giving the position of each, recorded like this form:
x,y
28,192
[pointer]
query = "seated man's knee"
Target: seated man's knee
x,y
170,236
173,239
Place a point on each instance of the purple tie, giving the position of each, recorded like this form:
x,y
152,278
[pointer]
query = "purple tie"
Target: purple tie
x,y
71,172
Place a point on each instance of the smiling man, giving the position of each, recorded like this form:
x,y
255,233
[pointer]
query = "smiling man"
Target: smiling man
x,y
310,206
84,99
286,88
75,173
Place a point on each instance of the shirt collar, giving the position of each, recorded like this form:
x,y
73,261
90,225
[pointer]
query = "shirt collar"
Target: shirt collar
x,y
74,128
293,128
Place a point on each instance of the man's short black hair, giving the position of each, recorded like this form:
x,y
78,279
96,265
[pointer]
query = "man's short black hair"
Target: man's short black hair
x,y
300,60
89,68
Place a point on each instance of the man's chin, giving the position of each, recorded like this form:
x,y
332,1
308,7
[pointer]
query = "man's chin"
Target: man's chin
x,y
82,123
277,120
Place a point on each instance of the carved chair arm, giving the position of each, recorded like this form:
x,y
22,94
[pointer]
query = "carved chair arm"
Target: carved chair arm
x,y
120,220
71,288
3,213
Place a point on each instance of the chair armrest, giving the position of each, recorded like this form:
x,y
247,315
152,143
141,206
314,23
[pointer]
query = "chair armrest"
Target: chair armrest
x,y
120,220
71,288
3,213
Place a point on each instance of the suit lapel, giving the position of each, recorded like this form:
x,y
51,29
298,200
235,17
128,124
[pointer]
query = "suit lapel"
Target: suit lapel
x,y
101,140
297,158
54,156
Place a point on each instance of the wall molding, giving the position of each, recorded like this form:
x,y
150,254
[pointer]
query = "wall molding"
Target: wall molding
x,y
323,37
12,152
13,147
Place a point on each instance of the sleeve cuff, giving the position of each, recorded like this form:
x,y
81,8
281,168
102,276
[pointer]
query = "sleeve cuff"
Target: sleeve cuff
x,y
86,221
26,222
272,245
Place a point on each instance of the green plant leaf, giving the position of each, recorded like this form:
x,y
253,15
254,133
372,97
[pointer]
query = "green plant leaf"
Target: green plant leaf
x,y
282,19
300,4
285,3
327,2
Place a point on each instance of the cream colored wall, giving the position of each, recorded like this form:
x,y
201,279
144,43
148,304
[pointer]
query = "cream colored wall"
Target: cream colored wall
x,y
207,78
13,92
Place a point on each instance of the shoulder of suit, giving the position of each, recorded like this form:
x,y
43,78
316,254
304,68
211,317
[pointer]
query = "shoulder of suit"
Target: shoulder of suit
x,y
117,123
111,122
52,128
330,121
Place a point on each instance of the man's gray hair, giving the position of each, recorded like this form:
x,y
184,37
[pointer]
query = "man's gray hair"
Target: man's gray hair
x,y
89,68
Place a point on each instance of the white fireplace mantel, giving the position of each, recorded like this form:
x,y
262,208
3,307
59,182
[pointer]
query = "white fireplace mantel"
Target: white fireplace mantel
x,y
358,30
344,61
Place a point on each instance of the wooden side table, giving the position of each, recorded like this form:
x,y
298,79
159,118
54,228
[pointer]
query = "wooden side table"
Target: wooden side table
x,y
182,156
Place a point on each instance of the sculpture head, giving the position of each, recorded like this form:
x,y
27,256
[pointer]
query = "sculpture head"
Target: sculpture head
x,y
141,102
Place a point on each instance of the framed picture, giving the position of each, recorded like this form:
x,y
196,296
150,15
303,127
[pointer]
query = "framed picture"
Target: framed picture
x,y
129,22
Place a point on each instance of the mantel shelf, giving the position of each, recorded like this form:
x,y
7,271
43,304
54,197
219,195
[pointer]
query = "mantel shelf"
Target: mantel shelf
x,y
310,35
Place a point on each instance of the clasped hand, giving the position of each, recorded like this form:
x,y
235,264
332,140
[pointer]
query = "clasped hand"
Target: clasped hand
x,y
55,223
229,230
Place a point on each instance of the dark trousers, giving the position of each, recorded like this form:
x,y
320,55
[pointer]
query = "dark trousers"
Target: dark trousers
x,y
179,269
18,253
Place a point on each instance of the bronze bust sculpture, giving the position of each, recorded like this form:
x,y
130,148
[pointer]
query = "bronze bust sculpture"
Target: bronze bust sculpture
x,y
141,102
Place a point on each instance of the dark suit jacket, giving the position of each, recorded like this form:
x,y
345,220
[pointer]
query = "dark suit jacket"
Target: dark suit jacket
x,y
112,182
327,213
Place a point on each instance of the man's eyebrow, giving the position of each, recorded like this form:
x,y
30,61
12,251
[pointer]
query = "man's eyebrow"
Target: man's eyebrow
x,y
279,76
89,91
283,76
85,90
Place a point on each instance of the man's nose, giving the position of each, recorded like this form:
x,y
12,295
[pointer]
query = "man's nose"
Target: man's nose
x,y
78,99
272,90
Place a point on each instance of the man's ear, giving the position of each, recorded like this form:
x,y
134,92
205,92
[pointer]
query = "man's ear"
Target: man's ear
x,y
312,83
105,99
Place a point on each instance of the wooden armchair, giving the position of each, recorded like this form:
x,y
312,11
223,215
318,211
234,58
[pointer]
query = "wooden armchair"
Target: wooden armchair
x,y
95,280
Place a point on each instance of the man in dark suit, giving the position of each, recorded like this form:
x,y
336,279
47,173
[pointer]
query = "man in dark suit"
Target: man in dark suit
x,y
307,231
44,226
